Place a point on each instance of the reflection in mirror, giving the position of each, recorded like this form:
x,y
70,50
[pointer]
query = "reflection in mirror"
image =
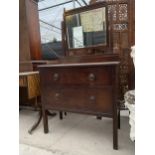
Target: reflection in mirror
x,y
87,28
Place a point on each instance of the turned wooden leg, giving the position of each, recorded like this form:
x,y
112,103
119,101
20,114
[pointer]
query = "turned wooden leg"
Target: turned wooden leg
x,y
45,120
119,121
65,113
61,115
115,131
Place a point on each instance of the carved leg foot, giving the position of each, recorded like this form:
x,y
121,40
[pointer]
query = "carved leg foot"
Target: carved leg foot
x,y
36,124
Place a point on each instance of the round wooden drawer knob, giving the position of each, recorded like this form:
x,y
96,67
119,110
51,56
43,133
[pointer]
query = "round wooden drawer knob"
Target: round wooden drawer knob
x,y
92,98
92,77
57,95
55,76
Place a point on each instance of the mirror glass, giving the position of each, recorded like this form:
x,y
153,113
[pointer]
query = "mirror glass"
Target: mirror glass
x,y
87,29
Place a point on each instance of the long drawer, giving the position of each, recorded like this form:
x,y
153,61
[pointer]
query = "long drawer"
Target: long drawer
x,y
77,76
78,98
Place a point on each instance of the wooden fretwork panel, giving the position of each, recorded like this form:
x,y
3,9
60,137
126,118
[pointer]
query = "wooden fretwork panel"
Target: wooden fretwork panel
x,y
123,12
121,18
112,9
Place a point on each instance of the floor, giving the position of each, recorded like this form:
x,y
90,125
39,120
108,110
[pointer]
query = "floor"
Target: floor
x,y
76,134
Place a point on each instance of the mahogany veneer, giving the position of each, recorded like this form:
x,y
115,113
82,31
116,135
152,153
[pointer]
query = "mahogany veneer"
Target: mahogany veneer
x,y
89,88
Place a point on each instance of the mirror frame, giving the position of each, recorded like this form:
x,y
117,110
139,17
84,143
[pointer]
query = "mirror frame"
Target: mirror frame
x,y
80,10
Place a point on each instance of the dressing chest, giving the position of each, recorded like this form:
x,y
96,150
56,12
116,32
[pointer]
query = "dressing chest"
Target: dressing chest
x,y
88,88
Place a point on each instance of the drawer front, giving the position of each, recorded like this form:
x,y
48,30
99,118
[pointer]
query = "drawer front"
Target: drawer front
x,y
86,99
77,76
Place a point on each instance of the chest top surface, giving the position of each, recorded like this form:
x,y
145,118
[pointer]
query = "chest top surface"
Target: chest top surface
x,y
87,64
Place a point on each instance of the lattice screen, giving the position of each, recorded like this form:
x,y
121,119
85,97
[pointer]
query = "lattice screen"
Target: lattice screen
x,y
121,18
